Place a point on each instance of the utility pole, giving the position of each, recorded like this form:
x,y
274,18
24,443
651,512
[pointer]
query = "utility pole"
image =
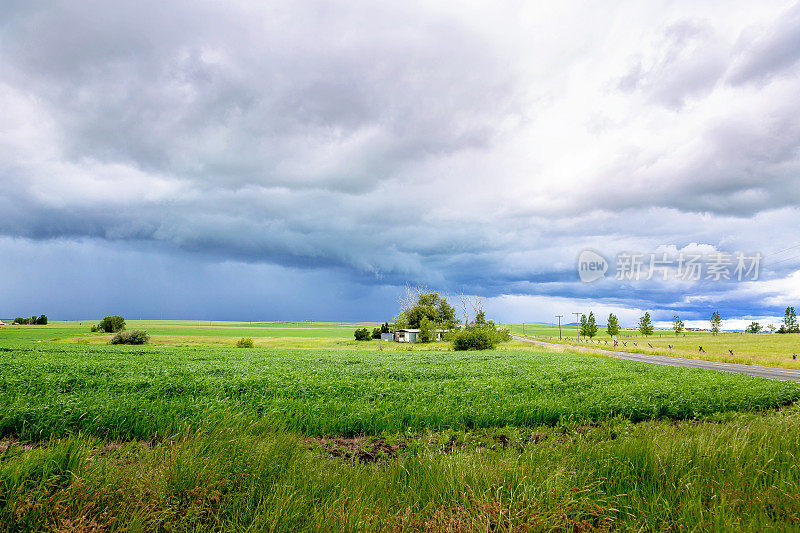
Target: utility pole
x,y
578,323
523,328
559,326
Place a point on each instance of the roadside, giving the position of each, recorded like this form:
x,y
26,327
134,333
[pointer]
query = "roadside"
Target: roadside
x,y
752,370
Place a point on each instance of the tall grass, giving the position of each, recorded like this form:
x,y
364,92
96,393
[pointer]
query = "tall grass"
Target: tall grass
x,y
236,472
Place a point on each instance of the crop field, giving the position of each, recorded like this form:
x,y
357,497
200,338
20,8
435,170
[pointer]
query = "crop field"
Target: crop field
x,y
126,393
333,434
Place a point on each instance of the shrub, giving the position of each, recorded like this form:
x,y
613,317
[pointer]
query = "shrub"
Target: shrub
x,y
376,333
362,334
134,336
473,339
245,342
479,338
111,324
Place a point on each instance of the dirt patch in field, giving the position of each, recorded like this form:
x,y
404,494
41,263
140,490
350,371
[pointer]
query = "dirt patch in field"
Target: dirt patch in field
x,y
362,448
11,442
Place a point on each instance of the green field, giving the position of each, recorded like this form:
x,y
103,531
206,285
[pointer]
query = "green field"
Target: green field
x,y
322,433
126,392
59,330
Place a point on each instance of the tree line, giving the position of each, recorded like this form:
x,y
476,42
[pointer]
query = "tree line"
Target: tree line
x,y
588,327
40,320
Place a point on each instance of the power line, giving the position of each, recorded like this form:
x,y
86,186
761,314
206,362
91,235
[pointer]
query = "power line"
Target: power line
x,y
784,260
577,323
784,250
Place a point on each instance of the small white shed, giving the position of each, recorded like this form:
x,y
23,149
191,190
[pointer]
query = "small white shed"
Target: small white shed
x,y
387,336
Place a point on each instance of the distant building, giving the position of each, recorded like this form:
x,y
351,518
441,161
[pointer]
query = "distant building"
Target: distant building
x,y
410,335
387,336
3,323
406,335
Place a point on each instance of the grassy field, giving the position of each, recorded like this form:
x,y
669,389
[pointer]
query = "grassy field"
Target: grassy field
x,y
60,330
126,392
749,349
336,435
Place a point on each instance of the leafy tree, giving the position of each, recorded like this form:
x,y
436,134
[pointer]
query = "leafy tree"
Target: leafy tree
x,y
385,328
677,324
790,321
646,325
480,318
362,334
427,330
42,320
376,333
428,305
244,342
716,322
613,325
588,325
771,328
110,324
754,327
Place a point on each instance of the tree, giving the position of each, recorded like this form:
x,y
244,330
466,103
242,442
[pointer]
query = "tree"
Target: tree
x,y
613,325
480,318
42,320
362,334
376,333
790,321
110,324
646,325
716,322
470,306
754,327
677,324
427,330
588,325
385,328
426,305
771,328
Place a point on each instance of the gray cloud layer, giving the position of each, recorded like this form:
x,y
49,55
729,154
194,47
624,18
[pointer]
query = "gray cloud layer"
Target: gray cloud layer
x,y
476,149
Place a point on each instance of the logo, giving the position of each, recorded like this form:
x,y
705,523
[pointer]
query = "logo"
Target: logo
x,y
591,266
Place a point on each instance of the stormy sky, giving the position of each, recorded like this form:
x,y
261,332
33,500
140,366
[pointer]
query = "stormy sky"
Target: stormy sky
x,y
307,160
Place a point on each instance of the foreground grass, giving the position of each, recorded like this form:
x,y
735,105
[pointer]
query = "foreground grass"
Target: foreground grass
x,y
235,472
137,392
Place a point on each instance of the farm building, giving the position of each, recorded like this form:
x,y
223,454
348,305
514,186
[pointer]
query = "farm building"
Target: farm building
x,y
387,336
410,335
406,335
